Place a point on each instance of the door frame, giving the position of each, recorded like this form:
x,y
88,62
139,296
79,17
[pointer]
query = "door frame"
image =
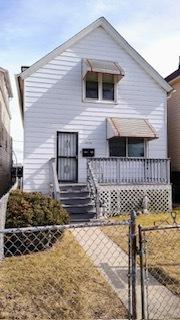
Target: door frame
x,y
77,155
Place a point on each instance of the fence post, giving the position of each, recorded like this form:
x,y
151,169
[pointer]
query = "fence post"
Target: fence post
x,y
141,253
3,207
133,264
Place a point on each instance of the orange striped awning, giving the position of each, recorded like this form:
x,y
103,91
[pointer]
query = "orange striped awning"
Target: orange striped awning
x,y
130,127
94,65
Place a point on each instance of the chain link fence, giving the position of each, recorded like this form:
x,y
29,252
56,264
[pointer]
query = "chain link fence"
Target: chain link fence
x,y
66,272
160,271
98,270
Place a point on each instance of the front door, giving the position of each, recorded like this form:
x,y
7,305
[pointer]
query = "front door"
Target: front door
x,y
67,156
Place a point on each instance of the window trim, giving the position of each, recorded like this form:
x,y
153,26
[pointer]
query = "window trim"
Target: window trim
x,y
127,156
100,92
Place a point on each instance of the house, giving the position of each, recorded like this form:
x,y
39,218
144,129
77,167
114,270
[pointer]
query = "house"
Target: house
x,y
95,113
174,131
5,138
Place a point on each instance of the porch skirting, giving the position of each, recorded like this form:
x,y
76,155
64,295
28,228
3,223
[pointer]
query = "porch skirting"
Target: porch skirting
x,y
117,199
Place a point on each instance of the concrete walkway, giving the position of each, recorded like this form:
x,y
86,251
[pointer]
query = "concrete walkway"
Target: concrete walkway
x,y
112,262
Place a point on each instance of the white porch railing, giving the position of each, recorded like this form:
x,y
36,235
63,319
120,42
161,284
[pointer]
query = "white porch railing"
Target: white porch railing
x,y
130,170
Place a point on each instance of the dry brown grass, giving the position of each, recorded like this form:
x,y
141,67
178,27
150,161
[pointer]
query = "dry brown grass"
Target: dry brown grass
x,y
60,283
163,256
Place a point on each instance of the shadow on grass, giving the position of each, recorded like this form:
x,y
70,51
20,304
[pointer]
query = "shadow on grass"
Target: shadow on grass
x,y
17,244
162,277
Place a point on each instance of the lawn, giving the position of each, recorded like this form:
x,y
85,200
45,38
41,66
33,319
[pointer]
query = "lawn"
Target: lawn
x,y
163,258
59,283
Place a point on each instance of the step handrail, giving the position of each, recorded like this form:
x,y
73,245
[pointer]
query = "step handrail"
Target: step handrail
x,y
54,184
93,187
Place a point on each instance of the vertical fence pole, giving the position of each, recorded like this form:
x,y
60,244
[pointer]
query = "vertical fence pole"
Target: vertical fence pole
x,y
133,263
129,275
141,253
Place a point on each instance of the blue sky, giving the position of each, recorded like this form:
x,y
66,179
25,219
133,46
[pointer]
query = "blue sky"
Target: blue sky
x,y
32,28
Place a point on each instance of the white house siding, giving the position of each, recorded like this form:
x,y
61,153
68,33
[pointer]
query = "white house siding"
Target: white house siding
x,y
53,102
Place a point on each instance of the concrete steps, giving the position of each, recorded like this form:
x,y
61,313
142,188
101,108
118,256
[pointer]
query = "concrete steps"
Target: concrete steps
x,y
76,200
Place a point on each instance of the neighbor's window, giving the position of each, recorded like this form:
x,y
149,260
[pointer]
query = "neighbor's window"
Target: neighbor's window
x,y
126,147
100,86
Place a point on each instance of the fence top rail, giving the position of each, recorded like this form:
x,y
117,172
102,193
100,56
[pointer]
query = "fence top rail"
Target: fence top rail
x,y
66,226
127,158
160,227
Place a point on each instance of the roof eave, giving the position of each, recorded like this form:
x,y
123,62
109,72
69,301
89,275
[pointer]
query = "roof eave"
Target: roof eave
x,y
61,48
8,81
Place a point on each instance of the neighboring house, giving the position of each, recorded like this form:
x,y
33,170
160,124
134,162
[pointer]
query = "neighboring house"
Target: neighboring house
x,y
95,97
174,131
5,138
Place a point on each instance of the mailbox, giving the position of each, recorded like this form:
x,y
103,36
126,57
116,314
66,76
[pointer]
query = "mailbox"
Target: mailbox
x,y
88,153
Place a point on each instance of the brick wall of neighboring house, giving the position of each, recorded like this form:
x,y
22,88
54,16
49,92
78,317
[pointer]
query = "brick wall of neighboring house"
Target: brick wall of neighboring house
x,y
5,138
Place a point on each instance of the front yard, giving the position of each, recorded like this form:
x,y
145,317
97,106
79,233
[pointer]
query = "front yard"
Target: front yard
x,y
59,283
162,247
63,283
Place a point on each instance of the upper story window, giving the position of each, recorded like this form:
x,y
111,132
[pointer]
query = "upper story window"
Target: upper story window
x,y
100,80
92,84
100,86
108,82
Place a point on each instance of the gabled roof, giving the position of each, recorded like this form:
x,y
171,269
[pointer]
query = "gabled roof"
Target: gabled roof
x,y
101,22
7,81
174,75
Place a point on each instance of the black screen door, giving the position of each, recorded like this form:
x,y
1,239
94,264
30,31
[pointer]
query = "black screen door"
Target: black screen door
x,y
67,156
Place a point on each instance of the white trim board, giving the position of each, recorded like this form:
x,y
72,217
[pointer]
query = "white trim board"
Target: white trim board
x,y
101,22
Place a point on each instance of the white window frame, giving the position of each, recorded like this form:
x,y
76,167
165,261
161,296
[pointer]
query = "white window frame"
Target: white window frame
x,y
100,100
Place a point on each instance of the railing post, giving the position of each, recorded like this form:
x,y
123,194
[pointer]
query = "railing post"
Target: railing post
x,y
97,205
168,170
133,264
54,179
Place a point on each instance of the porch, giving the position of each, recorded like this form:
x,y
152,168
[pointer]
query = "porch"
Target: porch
x,y
118,185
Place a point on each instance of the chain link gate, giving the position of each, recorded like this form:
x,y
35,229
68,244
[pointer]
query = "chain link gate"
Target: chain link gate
x,y
160,271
